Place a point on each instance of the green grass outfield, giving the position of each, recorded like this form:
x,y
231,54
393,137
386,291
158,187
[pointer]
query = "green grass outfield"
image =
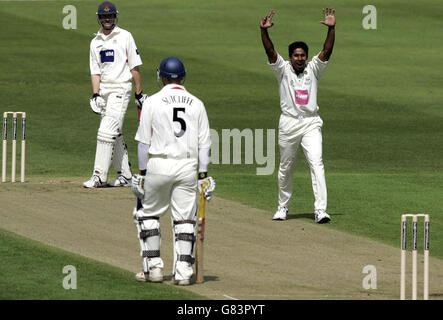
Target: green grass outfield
x,y
380,97
33,271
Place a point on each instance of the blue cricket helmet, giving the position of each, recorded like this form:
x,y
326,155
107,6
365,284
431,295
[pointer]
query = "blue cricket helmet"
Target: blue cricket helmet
x,y
172,68
107,8
104,9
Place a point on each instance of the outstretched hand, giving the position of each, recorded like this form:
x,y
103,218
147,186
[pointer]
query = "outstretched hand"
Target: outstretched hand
x,y
266,21
329,19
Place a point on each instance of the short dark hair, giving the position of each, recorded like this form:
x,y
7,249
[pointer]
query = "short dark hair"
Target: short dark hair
x,y
296,45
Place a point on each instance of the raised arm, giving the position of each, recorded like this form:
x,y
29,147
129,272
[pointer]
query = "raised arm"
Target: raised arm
x,y
329,21
265,24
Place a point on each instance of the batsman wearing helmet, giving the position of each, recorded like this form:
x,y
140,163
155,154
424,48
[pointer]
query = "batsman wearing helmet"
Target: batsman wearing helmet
x,y
114,61
174,140
300,123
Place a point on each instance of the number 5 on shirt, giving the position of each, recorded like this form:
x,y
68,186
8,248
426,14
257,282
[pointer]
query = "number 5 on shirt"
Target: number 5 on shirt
x,y
181,121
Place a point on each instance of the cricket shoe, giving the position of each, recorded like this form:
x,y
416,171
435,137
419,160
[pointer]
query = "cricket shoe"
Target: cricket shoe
x,y
120,181
141,276
281,213
182,282
321,216
94,182
154,275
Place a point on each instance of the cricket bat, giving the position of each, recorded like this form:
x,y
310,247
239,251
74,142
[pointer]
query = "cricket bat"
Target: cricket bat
x,y
200,238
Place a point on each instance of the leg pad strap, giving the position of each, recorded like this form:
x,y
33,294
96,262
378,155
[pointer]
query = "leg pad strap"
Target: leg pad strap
x,y
149,233
193,222
151,253
186,258
185,237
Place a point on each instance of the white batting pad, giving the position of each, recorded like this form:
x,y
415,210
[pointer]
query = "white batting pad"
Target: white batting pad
x,y
183,269
106,137
120,158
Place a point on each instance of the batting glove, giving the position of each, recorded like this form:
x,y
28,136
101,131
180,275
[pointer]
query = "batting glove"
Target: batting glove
x,y
138,186
97,104
140,99
207,184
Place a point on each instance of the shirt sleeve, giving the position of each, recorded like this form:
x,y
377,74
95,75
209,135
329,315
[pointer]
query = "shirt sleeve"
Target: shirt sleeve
x,y
142,154
204,134
278,67
203,159
318,66
134,59
144,131
94,64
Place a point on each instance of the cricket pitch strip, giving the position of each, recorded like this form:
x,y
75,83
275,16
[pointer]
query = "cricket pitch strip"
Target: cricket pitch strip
x,y
247,255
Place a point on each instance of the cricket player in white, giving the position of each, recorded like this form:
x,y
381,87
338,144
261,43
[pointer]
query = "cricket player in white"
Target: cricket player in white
x,y
114,61
174,138
300,123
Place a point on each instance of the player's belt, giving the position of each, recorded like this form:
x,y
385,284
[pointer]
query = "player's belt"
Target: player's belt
x,y
301,116
163,156
115,85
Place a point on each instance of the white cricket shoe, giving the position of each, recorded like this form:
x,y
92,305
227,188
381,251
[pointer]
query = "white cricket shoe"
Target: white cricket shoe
x,y
183,282
94,182
281,213
141,276
321,216
120,181
154,275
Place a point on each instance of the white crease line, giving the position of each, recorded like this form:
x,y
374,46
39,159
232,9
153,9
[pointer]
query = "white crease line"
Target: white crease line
x,y
229,297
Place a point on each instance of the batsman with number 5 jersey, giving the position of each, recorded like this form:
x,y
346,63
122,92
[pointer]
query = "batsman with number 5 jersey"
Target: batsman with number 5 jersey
x,y
114,61
174,141
300,123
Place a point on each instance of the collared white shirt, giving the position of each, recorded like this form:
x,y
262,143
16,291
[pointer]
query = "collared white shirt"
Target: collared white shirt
x,y
298,94
113,56
174,123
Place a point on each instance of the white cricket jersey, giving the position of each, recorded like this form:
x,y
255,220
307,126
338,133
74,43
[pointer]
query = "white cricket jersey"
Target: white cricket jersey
x,y
113,56
174,123
298,94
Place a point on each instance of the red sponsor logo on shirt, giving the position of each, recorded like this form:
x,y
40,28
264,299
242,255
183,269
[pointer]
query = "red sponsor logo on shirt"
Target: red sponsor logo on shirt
x,y
301,97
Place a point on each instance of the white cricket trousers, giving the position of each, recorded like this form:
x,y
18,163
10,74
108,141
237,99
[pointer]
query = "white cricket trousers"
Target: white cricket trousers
x,y
306,132
173,182
117,97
